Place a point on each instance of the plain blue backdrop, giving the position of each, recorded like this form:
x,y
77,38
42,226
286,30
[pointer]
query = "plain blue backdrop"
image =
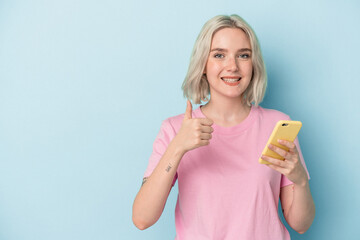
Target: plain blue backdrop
x,y
85,85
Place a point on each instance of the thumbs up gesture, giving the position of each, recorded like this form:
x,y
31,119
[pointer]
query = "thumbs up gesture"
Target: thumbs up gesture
x,y
194,132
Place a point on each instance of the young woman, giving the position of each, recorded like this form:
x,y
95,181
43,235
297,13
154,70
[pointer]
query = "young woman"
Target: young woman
x,y
213,151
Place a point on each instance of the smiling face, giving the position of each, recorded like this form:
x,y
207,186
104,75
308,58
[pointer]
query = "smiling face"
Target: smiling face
x,y
229,66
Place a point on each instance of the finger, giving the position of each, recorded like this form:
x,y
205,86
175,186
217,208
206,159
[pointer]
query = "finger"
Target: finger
x,y
205,136
207,129
204,142
290,145
274,161
188,112
206,121
278,150
277,168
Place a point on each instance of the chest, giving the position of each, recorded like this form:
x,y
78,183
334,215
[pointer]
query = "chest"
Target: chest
x,y
228,162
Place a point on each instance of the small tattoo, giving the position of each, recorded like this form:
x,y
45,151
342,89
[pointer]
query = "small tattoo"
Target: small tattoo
x,y
168,167
144,180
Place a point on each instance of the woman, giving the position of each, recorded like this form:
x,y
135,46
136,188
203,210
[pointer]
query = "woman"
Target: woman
x,y
213,151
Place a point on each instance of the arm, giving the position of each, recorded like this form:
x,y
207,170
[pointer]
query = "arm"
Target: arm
x,y
296,200
298,206
150,200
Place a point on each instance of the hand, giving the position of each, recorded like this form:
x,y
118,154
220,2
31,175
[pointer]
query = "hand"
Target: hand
x,y
291,166
194,132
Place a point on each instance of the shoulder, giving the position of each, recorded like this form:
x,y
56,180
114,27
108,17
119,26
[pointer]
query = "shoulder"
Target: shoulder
x,y
173,123
266,114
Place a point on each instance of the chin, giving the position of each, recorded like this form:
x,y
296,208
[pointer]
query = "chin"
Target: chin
x,y
233,95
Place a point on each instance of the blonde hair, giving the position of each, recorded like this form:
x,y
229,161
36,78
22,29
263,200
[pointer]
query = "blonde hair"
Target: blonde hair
x,y
196,87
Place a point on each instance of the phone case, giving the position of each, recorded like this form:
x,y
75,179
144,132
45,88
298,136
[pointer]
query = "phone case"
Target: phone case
x,y
286,130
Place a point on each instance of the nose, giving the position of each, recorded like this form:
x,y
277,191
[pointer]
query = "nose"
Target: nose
x,y
232,65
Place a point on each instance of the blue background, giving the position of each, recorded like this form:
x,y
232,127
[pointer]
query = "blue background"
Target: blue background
x,y
84,86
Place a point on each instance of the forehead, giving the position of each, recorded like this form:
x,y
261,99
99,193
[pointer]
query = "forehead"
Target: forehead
x,y
229,38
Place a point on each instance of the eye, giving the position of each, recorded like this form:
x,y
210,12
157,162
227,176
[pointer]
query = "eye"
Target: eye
x,y
244,56
219,55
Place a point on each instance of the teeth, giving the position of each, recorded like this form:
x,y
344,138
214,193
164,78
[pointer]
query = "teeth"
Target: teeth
x,y
230,79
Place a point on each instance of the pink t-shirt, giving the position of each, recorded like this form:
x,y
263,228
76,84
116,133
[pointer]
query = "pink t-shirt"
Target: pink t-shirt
x,y
224,192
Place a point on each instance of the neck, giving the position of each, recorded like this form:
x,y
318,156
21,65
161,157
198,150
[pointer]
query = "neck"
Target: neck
x,y
226,109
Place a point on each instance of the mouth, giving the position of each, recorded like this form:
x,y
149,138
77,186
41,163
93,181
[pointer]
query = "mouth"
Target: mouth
x,y
231,81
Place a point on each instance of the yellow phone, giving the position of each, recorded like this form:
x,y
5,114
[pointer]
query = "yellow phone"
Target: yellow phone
x,y
285,130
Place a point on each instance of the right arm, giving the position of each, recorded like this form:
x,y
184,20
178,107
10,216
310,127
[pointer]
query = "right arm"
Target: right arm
x,y
150,201
151,198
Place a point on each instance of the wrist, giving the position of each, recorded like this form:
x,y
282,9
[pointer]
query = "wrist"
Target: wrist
x,y
176,148
303,183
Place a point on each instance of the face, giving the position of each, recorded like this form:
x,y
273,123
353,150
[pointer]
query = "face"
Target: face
x,y
229,66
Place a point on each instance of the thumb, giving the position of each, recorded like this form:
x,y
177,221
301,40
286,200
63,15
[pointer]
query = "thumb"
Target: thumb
x,y
188,112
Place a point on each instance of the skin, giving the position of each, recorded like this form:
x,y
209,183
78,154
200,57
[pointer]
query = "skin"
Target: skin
x,y
229,57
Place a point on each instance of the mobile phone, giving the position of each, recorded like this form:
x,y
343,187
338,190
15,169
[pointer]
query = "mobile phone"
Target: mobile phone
x,y
285,130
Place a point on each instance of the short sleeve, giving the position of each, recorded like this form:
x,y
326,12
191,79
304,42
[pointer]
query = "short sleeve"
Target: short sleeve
x,y
284,180
164,137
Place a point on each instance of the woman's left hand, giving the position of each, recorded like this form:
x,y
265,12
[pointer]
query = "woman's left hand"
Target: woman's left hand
x,y
291,166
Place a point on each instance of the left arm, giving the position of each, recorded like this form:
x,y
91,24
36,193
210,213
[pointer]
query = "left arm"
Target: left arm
x,y
296,200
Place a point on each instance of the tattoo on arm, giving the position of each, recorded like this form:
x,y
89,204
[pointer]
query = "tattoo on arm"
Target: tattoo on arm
x,y
144,180
168,167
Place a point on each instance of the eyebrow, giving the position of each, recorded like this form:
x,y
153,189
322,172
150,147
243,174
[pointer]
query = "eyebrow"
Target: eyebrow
x,y
224,50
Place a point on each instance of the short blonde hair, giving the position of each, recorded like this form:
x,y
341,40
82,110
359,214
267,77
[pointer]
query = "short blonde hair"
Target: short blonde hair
x,y
196,87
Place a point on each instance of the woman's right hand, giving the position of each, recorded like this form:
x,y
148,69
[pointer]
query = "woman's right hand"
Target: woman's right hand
x,y
194,132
